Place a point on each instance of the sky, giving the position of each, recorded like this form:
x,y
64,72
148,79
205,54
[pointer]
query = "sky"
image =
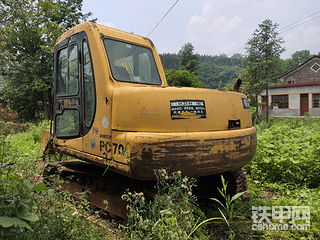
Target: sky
x,y
213,27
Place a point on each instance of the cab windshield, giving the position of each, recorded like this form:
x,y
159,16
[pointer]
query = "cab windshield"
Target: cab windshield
x,y
131,63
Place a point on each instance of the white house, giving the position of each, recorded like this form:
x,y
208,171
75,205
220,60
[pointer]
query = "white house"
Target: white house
x,y
299,92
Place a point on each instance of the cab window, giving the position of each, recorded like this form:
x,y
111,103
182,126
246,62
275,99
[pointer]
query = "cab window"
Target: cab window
x,y
68,71
68,123
89,91
131,63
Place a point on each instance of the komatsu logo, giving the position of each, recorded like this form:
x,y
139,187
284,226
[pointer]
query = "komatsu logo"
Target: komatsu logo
x,y
245,103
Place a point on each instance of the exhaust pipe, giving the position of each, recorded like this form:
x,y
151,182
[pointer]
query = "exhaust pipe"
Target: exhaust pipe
x,y
237,85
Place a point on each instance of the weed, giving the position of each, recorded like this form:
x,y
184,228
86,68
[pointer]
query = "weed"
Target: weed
x,y
288,153
16,207
228,208
171,214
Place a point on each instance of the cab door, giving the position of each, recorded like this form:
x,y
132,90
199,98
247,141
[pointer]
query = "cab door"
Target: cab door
x,y
74,91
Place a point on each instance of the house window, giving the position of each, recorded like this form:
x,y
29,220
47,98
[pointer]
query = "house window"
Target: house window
x,y
280,101
315,67
316,100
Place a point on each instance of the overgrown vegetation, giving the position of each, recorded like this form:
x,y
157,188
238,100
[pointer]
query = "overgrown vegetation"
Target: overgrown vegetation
x,y
16,207
171,214
30,210
288,153
285,172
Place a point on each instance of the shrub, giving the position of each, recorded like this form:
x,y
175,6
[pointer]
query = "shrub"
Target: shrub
x,y
16,206
288,153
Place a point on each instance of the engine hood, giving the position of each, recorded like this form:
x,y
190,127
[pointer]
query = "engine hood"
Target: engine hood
x,y
174,109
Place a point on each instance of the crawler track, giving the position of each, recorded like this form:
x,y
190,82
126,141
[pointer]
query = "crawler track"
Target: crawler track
x,y
107,187
101,188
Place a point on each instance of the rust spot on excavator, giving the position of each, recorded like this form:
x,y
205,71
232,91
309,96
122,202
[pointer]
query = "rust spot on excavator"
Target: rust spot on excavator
x,y
193,158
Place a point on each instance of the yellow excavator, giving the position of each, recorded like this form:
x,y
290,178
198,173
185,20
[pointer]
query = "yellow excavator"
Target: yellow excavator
x,y
112,108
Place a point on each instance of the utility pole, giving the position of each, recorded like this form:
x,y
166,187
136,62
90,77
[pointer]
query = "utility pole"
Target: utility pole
x,y
267,82
267,89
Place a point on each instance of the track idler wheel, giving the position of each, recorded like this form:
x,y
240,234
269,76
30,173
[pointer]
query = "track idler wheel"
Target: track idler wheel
x,y
207,187
240,180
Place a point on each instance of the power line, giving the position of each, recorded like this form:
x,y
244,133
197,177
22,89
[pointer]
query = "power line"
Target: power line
x,y
163,18
299,24
298,21
280,32
237,50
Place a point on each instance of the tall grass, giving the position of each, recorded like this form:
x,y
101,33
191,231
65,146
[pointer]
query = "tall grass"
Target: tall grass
x,y
29,209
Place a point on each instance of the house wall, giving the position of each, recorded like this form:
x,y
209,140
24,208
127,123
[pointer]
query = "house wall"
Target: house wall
x,y
303,73
315,112
293,100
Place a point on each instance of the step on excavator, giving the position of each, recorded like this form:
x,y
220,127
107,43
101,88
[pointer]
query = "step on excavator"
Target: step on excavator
x,y
113,110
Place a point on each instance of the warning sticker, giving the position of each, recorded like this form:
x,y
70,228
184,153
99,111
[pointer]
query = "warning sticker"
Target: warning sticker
x,y
95,131
185,109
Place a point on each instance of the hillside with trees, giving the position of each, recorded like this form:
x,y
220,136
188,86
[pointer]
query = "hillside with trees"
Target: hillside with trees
x,y
214,71
187,73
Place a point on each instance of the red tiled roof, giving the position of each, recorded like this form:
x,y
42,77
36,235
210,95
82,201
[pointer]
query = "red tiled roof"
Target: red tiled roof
x,y
294,85
296,68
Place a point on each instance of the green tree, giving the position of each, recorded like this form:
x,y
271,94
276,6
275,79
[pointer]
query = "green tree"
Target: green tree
x,y
214,71
236,59
294,61
28,31
188,60
263,60
298,58
170,61
218,71
183,78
